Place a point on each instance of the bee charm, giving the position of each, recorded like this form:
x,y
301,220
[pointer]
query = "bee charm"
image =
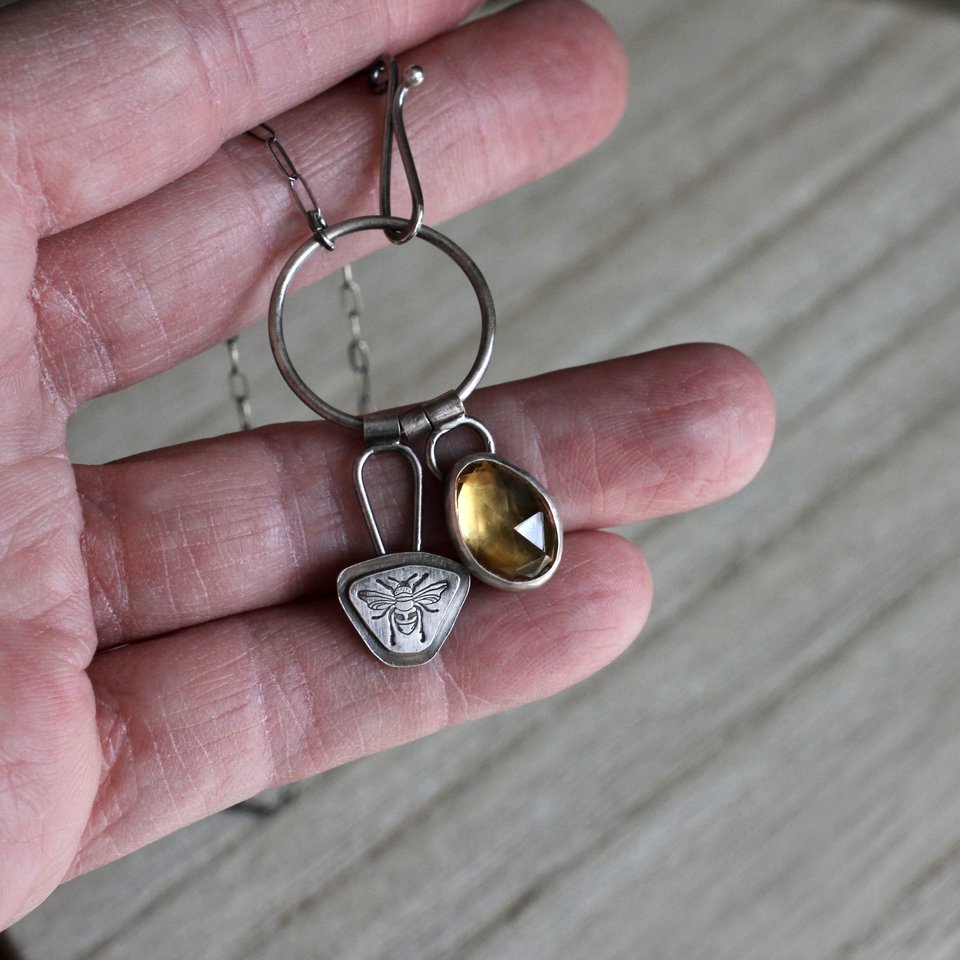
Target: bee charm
x,y
403,605
405,602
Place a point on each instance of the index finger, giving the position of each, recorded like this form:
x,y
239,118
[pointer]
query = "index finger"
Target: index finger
x,y
107,100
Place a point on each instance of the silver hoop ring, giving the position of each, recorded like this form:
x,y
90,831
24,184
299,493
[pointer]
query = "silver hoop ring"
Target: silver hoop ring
x,y
444,244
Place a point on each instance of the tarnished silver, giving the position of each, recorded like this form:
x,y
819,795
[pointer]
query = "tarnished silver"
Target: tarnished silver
x,y
444,409
239,385
381,428
299,188
351,299
308,249
385,78
404,451
453,524
440,432
403,605
358,351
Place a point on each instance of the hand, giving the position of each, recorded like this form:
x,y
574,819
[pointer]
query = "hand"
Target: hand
x,y
160,229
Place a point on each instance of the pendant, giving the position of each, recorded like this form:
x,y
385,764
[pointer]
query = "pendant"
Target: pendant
x,y
503,523
403,605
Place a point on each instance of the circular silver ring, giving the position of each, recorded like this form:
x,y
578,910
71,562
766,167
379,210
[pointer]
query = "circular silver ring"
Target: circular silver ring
x,y
438,434
307,250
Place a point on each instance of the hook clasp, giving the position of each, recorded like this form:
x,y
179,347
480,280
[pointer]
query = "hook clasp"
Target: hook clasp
x,y
385,78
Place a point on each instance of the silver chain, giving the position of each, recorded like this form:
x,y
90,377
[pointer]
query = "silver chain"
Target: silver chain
x,y
358,352
299,188
239,385
351,301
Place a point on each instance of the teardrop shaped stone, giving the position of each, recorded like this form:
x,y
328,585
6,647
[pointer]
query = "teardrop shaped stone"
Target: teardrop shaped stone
x,y
505,522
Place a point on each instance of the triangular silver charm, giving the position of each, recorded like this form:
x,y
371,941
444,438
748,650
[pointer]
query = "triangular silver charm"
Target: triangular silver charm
x,y
404,605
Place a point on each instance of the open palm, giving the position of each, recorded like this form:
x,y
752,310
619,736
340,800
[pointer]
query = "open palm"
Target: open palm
x,y
137,227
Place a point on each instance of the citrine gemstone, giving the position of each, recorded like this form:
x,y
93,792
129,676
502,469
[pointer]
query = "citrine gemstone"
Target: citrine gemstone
x,y
505,522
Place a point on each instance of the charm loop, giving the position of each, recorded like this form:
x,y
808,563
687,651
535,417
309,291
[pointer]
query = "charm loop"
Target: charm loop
x,y
368,454
296,262
438,434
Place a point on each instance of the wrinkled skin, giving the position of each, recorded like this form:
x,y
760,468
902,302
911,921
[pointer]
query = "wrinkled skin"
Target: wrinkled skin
x,y
138,227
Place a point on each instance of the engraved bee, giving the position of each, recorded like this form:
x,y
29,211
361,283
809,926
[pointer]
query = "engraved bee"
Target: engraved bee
x,y
405,602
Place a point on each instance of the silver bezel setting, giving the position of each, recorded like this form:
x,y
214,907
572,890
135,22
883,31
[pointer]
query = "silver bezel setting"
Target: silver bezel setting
x,y
453,524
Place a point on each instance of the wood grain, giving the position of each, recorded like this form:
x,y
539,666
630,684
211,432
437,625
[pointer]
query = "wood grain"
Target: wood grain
x,y
773,770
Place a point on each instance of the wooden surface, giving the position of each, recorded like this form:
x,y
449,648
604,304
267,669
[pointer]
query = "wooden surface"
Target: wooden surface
x,y
773,771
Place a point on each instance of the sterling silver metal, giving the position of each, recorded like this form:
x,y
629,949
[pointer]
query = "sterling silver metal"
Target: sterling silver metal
x,y
331,234
372,526
351,302
299,188
239,385
440,432
358,352
403,605
385,78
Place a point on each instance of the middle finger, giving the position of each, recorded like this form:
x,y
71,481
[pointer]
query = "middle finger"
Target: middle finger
x,y
201,531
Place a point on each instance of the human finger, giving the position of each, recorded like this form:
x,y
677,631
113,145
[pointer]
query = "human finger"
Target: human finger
x,y
211,715
201,531
507,99
108,100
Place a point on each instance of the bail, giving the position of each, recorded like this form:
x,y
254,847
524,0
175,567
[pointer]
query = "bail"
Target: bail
x,y
368,515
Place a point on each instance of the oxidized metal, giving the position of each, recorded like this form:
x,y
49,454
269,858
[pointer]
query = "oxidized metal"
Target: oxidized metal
x,y
506,528
404,605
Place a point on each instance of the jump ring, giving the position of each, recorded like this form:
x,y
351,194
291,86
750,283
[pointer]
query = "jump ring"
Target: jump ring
x,y
310,247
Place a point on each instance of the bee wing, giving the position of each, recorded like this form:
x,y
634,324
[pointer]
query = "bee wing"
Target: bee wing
x,y
432,592
376,600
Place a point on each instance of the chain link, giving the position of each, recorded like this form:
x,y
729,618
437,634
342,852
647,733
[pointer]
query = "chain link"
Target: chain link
x,y
299,188
351,300
358,351
239,384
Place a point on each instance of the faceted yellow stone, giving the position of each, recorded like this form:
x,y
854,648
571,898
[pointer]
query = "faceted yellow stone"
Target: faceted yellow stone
x,y
505,522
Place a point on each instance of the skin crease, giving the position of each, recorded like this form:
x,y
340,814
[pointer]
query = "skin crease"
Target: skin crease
x,y
121,168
